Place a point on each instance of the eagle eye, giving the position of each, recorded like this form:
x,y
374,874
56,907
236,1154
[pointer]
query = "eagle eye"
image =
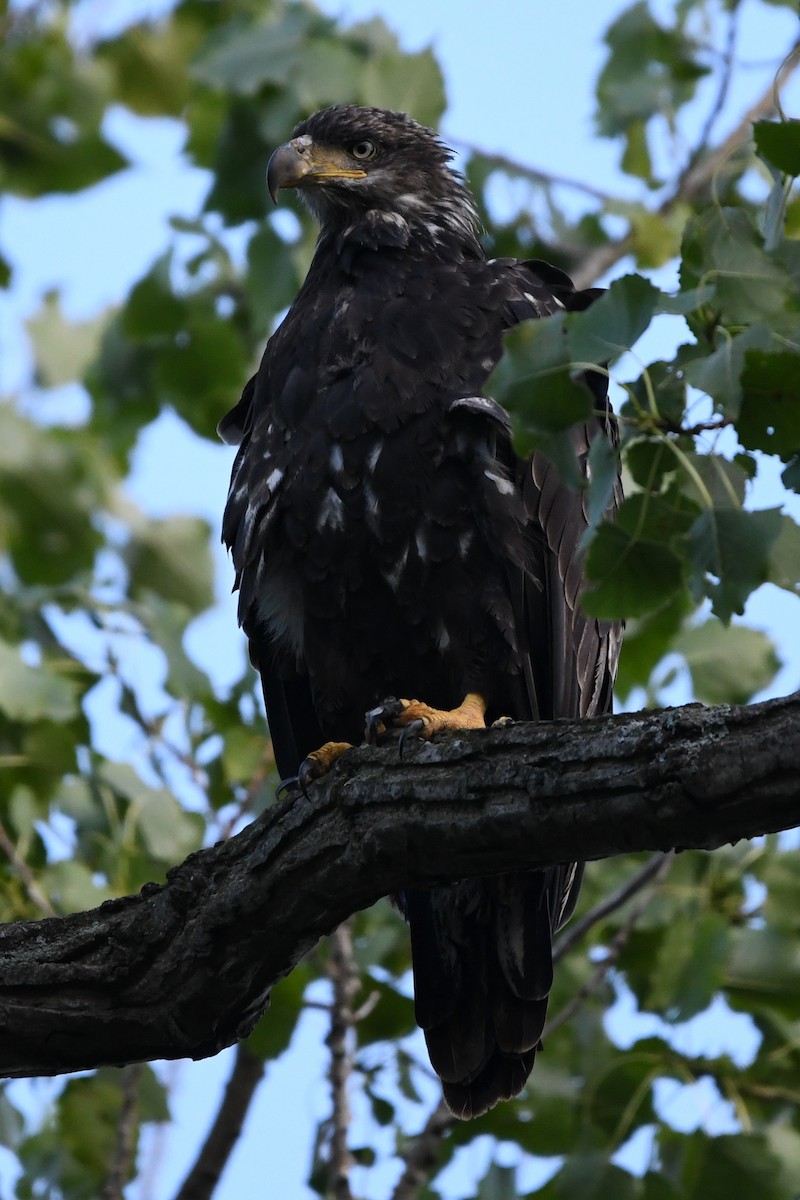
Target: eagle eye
x,y
364,149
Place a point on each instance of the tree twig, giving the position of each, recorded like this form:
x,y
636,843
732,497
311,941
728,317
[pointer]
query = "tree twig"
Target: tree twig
x,y
125,1146
422,1153
577,930
345,980
728,57
32,889
611,956
215,1151
535,175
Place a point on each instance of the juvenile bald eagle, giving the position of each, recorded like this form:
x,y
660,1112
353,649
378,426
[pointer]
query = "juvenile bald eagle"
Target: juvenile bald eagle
x,y
388,542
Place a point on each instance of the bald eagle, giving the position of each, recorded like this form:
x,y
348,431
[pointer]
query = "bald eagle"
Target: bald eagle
x,y
389,542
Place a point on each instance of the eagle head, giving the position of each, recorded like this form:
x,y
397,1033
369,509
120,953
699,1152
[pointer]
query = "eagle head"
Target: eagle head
x,y
350,163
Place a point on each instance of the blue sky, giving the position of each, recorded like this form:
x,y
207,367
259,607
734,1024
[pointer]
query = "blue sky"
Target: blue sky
x,y
520,77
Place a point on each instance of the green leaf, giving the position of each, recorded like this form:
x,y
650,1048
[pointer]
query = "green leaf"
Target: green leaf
x,y
690,970
769,417
272,278
169,832
636,158
149,63
391,1017
723,247
603,468
499,1183
201,368
533,383
152,1096
680,304
166,623
647,639
11,1123
32,693
408,82
171,556
719,373
153,309
62,349
779,143
784,559
707,1168
52,484
242,56
790,478
629,576
71,887
589,1177
764,970
729,664
730,551
614,322
651,69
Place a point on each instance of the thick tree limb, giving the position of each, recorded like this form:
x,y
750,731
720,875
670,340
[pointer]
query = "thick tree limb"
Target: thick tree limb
x,y
185,968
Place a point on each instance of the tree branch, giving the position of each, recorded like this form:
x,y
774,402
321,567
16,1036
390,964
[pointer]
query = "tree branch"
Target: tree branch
x,y
207,1169
344,977
127,1130
184,969
422,1153
696,176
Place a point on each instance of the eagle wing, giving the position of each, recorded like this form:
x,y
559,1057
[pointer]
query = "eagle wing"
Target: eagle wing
x,y
482,948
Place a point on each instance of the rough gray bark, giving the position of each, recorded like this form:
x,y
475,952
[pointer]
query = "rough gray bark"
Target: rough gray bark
x,y
184,969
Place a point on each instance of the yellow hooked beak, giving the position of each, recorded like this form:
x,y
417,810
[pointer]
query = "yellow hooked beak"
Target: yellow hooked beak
x,y
299,162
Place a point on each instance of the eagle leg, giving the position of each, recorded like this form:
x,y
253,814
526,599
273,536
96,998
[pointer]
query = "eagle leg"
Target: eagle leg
x,y
414,718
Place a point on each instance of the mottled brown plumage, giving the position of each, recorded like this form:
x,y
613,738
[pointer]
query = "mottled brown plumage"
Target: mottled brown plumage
x,y
387,540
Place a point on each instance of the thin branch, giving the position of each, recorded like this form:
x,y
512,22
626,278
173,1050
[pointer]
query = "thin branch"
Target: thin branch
x,y
578,929
536,175
185,968
696,176
421,1154
611,957
212,1159
345,979
32,889
125,1146
728,60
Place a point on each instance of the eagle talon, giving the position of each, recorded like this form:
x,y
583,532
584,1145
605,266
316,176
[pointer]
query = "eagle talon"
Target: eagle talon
x,y
285,784
379,719
413,729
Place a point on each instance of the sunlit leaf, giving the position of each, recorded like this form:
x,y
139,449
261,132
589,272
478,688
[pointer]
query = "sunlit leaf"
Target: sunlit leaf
x,y
614,322
727,665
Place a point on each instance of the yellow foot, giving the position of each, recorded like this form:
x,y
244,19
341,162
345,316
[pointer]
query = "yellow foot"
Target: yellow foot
x,y
315,765
414,717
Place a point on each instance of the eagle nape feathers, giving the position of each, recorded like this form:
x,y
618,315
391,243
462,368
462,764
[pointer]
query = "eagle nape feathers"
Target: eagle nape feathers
x,y
388,541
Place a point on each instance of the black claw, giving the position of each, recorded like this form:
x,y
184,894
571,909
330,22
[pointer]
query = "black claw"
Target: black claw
x,y
285,784
382,714
306,775
412,729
